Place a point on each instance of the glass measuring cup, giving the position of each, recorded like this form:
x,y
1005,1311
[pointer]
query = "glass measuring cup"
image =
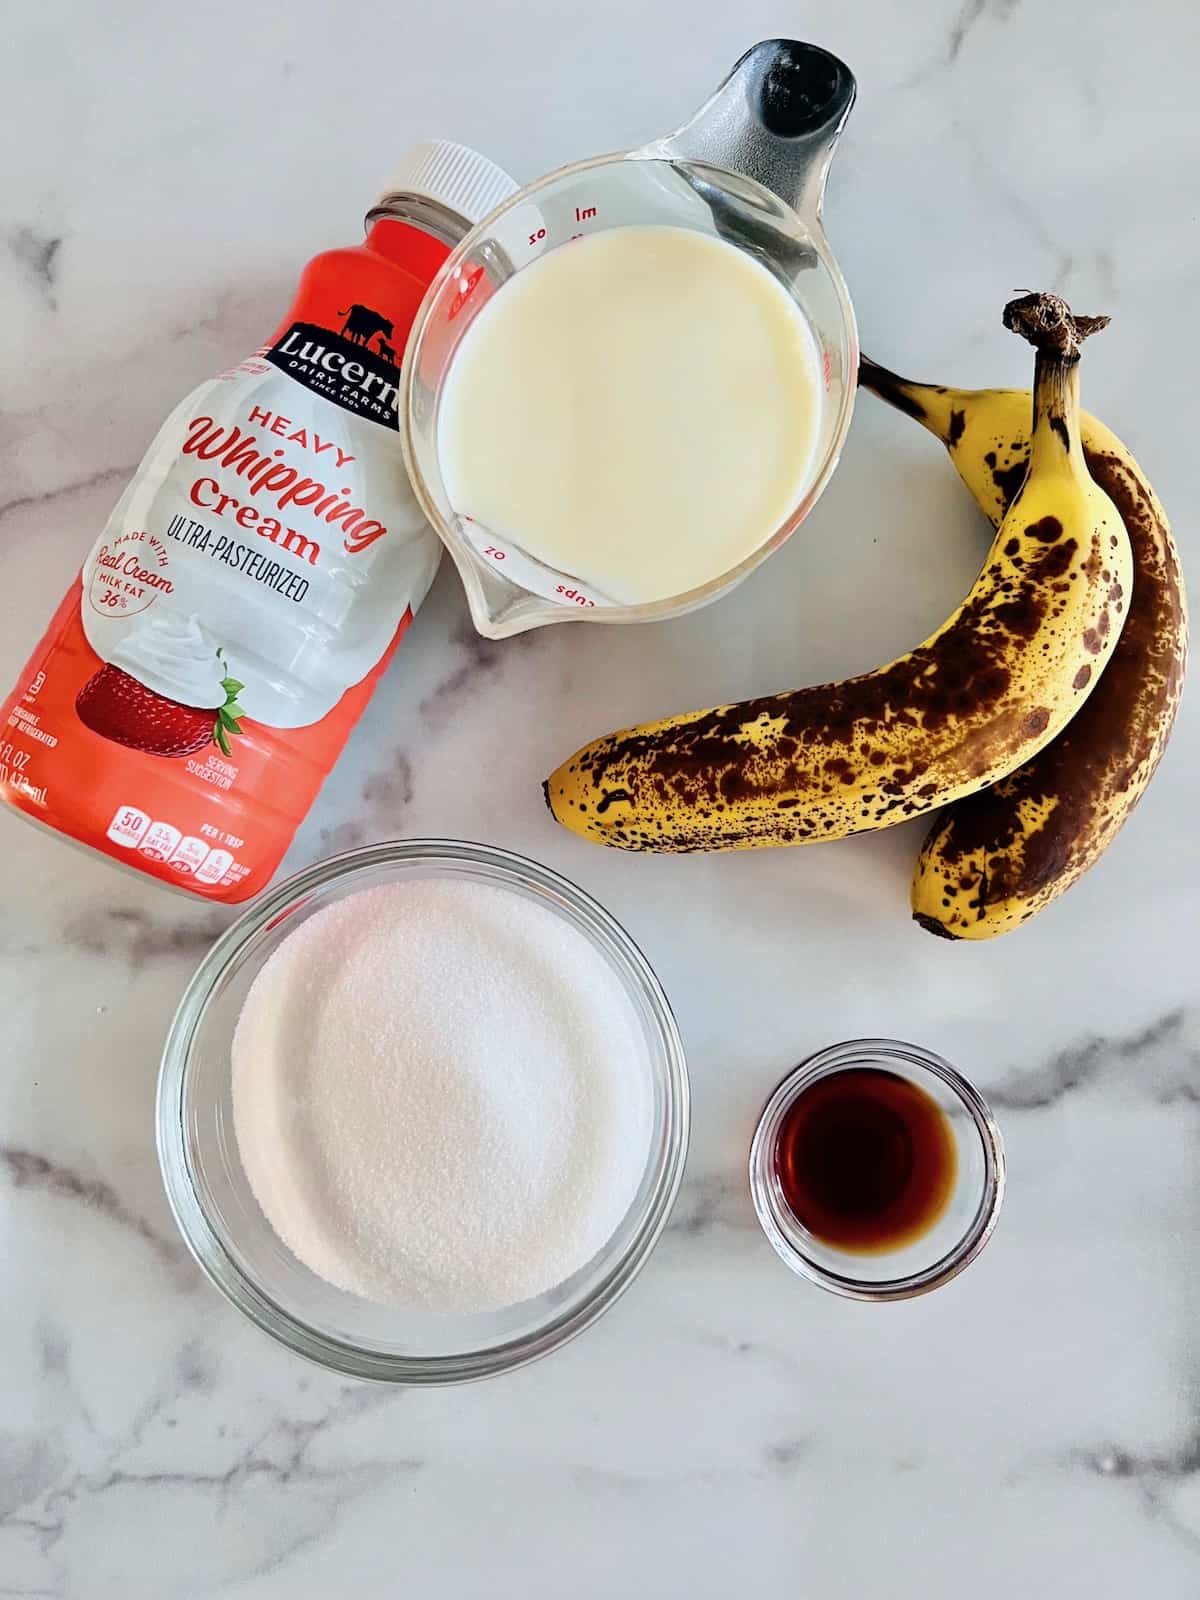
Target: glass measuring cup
x,y
749,167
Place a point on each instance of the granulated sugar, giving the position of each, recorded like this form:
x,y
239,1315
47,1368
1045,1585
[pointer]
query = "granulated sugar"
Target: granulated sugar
x,y
439,1095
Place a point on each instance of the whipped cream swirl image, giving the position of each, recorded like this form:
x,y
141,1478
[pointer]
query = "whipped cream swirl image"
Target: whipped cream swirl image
x,y
174,656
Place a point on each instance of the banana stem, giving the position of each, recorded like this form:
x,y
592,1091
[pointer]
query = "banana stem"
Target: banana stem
x,y
1050,326
1056,409
1048,323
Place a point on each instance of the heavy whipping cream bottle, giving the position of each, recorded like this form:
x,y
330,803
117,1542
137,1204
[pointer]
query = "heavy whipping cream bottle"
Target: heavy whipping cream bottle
x,y
204,671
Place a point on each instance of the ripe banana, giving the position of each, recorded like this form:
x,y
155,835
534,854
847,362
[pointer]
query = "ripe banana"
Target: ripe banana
x,y
995,684
997,858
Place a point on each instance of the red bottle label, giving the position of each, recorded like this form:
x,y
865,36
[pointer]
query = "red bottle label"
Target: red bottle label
x,y
204,672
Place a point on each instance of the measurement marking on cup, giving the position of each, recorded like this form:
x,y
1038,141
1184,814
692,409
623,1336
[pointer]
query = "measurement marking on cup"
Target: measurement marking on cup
x,y
586,214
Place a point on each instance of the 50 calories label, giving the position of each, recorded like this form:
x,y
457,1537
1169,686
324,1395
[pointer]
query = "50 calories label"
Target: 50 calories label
x,y
133,829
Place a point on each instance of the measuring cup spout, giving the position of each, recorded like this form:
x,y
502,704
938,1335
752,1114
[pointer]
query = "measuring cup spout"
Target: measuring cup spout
x,y
775,119
500,608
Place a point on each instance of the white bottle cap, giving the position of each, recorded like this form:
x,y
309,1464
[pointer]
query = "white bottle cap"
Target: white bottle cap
x,y
454,175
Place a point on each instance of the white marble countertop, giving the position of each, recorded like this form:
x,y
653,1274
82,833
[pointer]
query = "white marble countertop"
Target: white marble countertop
x,y
1034,1428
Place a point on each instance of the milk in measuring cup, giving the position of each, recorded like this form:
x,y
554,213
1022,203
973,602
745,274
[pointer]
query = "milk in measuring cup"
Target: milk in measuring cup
x,y
637,409
205,669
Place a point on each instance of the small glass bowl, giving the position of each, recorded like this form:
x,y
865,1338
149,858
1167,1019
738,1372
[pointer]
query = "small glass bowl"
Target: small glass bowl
x,y
235,1245
957,1236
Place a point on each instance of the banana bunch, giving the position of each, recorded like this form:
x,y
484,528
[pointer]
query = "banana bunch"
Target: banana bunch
x,y
992,861
975,702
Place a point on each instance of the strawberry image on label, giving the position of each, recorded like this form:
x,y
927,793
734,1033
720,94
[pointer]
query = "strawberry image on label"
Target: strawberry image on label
x,y
165,691
119,708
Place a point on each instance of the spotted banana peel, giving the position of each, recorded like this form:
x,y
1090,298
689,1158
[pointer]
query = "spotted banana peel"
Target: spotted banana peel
x,y
997,858
995,684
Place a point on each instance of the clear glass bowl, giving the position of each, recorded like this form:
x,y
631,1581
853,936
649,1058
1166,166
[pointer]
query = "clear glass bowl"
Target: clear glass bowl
x,y
957,1236
236,1246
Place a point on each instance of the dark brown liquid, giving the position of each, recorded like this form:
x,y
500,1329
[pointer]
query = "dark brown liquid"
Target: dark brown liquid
x,y
866,1160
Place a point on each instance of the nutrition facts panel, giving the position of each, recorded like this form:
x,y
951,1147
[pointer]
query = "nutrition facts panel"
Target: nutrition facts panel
x,y
159,841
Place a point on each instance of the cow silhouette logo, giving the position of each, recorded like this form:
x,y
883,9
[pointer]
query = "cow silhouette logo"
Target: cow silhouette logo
x,y
349,357
362,324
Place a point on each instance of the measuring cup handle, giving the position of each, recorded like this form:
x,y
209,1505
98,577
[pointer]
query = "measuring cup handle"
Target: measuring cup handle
x,y
775,119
